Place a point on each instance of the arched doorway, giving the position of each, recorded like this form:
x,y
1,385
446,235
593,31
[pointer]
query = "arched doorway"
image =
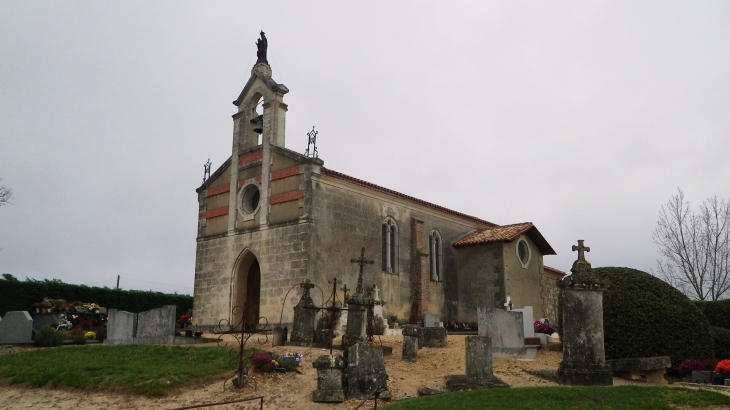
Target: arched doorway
x,y
247,290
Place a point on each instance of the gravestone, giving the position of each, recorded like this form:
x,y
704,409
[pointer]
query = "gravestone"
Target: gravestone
x,y
156,326
433,337
410,343
356,320
121,327
329,379
528,320
647,369
279,336
584,359
377,309
365,372
302,333
479,375
430,319
505,329
45,320
701,377
16,327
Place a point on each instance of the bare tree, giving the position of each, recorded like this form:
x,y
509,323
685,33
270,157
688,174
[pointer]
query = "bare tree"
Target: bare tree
x,y
5,194
695,247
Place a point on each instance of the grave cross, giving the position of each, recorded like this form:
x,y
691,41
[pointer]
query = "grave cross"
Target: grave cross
x,y
581,249
332,308
361,262
306,285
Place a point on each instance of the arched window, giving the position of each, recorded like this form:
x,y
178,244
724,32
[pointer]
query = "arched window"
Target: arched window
x,y
389,233
435,255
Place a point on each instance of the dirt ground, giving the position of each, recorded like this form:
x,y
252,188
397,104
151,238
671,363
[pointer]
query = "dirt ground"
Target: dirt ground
x,y
291,390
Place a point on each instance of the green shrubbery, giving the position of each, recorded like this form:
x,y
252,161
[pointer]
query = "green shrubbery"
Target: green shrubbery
x,y
721,337
717,312
20,295
48,337
644,316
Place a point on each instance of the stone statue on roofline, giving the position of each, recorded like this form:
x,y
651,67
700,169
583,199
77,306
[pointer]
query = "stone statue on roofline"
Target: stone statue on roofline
x,y
262,45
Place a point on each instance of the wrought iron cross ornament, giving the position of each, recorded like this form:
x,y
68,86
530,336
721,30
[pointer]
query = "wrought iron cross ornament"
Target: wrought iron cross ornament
x,y
581,250
312,144
361,262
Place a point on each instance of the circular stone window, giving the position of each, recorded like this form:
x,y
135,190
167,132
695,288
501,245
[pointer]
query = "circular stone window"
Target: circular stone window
x,y
248,202
523,252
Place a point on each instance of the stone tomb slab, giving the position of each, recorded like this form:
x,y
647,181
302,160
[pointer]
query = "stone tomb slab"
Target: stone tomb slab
x,y
528,320
16,327
505,329
365,372
121,327
648,369
156,326
433,336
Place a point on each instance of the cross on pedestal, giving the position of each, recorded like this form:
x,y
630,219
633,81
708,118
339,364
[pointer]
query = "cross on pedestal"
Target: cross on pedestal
x,y
344,290
361,262
581,249
332,308
306,285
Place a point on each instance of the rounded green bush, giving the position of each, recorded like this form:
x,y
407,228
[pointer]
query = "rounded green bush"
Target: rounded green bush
x,y
644,316
721,337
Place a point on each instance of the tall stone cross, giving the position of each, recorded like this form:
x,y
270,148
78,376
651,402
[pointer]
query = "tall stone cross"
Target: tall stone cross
x,y
581,249
361,262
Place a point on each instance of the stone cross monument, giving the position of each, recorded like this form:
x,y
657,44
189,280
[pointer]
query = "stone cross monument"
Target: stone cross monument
x,y
584,360
358,304
303,327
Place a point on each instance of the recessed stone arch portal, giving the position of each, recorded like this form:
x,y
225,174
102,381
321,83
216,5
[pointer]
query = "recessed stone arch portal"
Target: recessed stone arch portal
x,y
246,289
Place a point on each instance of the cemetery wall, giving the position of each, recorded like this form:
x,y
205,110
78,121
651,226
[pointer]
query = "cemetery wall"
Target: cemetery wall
x,y
20,295
481,279
524,281
349,214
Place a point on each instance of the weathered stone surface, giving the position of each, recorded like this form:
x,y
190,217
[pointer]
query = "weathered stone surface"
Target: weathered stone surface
x,y
356,321
279,336
121,327
479,359
16,327
365,371
463,382
411,330
640,364
433,337
156,322
430,319
45,320
329,379
410,348
584,361
322,338
505,329
427,391
303,327
528,320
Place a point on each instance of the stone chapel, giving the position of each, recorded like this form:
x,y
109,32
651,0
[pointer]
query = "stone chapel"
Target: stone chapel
x,y
270,218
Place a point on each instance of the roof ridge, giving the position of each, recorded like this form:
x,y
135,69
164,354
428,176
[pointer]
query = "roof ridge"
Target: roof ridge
x,y
358,181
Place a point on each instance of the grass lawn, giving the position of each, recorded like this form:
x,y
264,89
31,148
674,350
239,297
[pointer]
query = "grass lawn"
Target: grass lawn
x,y
567,398
149,370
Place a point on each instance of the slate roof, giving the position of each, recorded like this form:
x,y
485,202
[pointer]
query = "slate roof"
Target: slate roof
x,y
339,175
507,233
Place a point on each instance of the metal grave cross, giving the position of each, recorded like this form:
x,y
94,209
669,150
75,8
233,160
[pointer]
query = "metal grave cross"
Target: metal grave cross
x,y
361,262
581,249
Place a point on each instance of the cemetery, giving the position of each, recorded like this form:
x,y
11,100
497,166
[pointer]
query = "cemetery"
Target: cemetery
x,y
339,355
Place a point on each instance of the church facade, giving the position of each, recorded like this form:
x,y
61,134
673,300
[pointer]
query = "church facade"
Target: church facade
x,y
270,218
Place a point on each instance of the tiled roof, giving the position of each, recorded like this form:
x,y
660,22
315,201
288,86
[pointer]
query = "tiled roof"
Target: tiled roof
x,y
553,270
495,234
507,233
339,175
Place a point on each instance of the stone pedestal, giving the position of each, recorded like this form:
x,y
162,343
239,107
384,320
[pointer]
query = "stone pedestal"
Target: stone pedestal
x,y
356,320
365,372
584,360
433,337
479,359
410,343
329,379
279,336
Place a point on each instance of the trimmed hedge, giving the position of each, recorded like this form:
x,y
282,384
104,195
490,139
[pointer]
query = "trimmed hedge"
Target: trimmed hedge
x,y
721,336
717,312
644,316
20,295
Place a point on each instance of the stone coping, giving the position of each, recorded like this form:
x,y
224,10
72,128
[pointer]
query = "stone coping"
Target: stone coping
x,y
639,364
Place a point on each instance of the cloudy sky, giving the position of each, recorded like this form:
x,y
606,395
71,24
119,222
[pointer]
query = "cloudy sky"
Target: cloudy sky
x,y
583,118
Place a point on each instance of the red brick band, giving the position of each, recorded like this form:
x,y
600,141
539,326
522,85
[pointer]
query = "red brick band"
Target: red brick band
x,y
254,156
286,172
215,212
286,197
217,190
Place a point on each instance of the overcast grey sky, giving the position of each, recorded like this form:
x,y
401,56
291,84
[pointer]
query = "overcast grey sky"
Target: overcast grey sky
x,y
580,117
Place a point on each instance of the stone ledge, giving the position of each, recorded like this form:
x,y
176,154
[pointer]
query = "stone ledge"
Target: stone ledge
x,y
639,364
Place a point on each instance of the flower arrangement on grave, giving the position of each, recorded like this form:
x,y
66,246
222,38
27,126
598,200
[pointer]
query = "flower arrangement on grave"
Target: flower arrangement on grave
x,y
90,335
541,327
198,333
185,320
58,304
290,361
723,368
690,365
261,361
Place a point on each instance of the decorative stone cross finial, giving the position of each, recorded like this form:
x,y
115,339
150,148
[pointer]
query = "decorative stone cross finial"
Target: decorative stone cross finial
x,y
361,262
581,249
306,285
